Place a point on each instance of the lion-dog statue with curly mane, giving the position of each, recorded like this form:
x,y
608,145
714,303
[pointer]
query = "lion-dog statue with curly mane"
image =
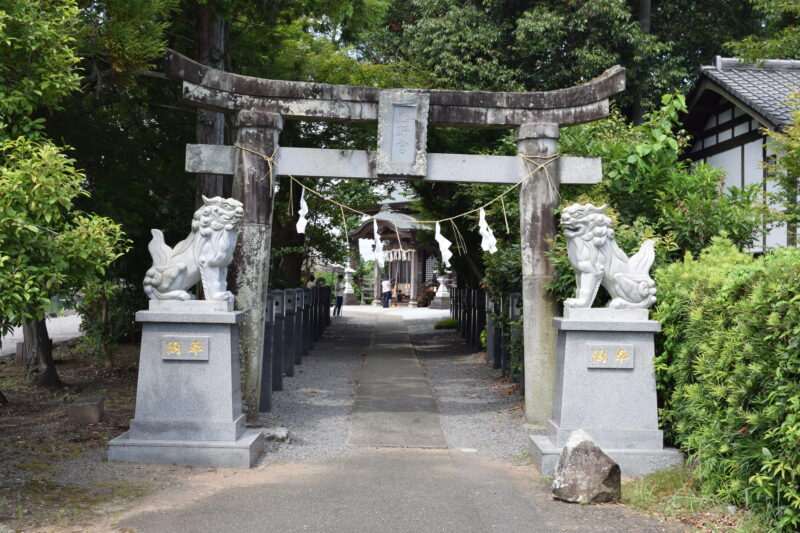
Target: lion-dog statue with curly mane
x,y
597,260
202,256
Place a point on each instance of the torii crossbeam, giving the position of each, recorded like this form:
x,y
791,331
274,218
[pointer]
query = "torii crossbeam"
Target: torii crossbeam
x,y
403,116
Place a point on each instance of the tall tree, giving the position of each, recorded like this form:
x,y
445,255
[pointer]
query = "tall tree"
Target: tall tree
x,y
46,247
779,35
212,40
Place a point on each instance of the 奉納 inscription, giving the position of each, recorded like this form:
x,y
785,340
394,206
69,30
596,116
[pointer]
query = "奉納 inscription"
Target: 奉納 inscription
x,y
610,356
184,348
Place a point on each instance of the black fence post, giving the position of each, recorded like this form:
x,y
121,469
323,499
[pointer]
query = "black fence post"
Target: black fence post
x,y
265,397
497,341
487,308
279,306
480,316
464,319
289,339
307,344
298,326
315,312
515,311
327,305
456,295
506,337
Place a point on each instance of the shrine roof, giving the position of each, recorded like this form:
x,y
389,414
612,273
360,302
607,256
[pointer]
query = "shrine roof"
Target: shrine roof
x,y
760,88
387,218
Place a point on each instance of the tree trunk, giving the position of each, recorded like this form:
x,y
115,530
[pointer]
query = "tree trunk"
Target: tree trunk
x,y
644,15
39,355
211,44
791,207
645,9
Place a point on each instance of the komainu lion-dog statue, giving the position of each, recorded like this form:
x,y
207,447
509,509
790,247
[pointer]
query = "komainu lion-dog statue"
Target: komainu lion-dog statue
x,y
202,256
597,260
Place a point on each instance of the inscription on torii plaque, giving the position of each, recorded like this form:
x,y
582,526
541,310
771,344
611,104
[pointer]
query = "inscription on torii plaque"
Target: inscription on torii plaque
x,y
402,134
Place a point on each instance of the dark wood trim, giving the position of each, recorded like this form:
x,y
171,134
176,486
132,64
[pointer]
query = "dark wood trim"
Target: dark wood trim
x,y
718,148
609,83
727,125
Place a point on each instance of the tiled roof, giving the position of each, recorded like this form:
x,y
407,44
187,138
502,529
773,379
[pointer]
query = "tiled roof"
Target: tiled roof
x,y
763,87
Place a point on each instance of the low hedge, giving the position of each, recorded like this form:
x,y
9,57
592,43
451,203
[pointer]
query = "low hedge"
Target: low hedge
x,y
729,374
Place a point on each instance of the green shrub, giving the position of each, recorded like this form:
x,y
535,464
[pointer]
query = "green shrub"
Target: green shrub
x,y
447,323
729,374
107,311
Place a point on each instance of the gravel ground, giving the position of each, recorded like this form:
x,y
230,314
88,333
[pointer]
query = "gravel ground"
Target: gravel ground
x,y
316,403
478,410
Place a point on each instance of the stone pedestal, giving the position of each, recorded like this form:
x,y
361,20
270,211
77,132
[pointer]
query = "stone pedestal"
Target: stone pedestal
x,y
441,299
349,292
188,399
605,385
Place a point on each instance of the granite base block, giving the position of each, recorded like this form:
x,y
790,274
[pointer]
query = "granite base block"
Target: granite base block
x,y
632,463
440,303
242,453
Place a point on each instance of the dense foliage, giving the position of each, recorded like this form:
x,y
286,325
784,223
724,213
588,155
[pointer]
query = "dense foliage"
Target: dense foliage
x,y
784,172
779,36
729,373
47,247
653,193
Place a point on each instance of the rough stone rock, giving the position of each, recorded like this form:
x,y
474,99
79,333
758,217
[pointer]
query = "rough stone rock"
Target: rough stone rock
x,y
277,434
585,474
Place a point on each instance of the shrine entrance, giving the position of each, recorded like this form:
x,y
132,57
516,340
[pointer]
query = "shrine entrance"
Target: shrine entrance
x,y
260,107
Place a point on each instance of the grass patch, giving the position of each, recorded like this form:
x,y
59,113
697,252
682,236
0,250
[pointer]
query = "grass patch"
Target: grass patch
x,y
675,493
34,465
447,323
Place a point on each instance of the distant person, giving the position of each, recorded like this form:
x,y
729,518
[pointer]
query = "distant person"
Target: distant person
x,y
310,283
386,292
337,311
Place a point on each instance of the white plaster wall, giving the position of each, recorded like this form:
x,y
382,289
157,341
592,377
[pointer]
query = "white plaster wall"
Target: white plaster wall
x,y
730,162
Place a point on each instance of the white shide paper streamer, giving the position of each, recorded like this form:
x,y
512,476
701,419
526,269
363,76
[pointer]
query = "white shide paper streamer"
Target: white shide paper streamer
x,y
444,246
489,242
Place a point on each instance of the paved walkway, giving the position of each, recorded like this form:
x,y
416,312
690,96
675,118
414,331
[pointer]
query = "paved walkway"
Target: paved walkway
x,y
399,477
394,405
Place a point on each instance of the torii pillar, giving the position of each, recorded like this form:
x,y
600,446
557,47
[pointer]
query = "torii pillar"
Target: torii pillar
x,y
253,185
537,201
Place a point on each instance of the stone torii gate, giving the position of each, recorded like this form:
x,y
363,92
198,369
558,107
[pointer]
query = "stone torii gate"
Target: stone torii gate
x,y
260,107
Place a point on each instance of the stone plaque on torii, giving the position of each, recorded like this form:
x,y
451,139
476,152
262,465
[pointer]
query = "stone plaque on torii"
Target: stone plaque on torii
x,y
403,115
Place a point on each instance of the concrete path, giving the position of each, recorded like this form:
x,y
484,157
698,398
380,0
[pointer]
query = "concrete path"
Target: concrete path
x,y
394,404
401,478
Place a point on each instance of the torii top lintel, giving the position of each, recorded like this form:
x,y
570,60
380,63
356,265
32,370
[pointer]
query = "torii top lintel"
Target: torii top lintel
x,y
218,90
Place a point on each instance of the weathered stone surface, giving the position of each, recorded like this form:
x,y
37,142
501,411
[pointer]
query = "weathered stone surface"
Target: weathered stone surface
x,y
537,199
86,410
585,474
607,84
361,164
277,434
361,112
253,185
402,134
